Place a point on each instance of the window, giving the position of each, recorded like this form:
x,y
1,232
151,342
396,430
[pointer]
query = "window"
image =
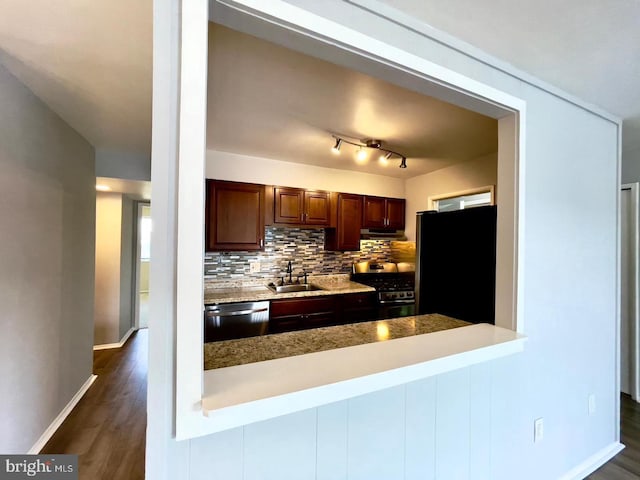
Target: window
x,y
460,200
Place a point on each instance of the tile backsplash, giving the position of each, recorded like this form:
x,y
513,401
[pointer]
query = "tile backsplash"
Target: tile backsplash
x,y
305,248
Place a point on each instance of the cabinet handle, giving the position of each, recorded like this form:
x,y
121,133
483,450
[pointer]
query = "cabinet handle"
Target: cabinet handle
x,y
218,313
261,243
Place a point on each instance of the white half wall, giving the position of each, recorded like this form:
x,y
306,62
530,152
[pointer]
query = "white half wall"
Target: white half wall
x,y
47,208
479,172
243,168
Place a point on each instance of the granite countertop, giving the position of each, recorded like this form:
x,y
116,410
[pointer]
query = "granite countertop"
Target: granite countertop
x,y
229,292
269,347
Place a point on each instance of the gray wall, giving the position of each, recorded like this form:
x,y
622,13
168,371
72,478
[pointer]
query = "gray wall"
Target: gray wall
x,y
474,422
47,209
631,166
116,164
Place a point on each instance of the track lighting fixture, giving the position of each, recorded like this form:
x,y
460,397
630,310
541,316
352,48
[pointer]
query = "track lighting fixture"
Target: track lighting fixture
x,y
361,154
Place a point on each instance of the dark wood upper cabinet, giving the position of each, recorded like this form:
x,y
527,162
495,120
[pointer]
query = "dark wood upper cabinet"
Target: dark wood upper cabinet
x,y
374,213
395,213
289,205
316,208
234,216
383,213
346,234
296,206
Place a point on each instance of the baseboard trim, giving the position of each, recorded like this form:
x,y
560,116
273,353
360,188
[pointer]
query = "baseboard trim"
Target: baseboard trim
x,y
124,339
48,433
594,462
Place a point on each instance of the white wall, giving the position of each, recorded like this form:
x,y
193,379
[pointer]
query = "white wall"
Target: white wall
x,y
479,172
243,168
127,165
114,266
631,166
474,423
47,209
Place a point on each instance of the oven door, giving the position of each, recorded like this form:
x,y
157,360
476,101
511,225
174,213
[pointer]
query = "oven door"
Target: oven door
x,y
395,310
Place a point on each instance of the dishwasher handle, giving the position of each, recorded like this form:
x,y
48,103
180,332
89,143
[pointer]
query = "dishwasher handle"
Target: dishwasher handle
x,y
233,313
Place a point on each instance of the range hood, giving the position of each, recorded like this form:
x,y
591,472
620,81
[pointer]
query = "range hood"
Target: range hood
x,y
379,234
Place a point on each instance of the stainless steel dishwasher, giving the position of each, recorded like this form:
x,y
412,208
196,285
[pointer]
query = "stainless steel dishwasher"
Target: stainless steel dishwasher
x,y
235,320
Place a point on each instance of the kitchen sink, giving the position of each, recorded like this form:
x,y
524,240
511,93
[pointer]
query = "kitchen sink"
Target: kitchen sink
x,y
296,287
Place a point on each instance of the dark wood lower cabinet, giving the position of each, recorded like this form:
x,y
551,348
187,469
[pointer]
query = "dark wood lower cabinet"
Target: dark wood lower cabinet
x,y
301,313
313,312
357,307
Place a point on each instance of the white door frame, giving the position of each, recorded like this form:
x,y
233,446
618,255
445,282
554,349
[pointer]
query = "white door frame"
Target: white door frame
x,y
634,321
136,262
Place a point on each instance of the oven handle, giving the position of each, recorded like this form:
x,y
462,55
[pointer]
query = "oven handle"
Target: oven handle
x,y
397,302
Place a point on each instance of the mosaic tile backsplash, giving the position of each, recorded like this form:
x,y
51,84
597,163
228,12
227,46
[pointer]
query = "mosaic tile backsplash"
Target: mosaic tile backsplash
x,y
304,247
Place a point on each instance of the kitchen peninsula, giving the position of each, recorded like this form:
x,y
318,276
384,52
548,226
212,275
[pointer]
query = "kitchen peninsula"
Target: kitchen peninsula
x,y
269,347
259,377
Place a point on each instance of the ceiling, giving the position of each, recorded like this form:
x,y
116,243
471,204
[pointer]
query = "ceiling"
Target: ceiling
x,y
589,48
91,62
135,189
267,101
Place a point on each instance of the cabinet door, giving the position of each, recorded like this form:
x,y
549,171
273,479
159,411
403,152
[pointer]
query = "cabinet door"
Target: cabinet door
x,y
316,208
357,307
234,216
395,213
346,235
289,205
374,213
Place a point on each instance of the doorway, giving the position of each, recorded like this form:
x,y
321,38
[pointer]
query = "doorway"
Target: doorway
x,y
143,264
629,308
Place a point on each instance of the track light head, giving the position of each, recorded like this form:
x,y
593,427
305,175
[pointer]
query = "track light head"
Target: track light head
x,y
403,163
336,148
384,158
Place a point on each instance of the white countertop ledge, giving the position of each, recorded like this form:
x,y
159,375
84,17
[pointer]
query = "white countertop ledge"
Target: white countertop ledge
x,y
244,394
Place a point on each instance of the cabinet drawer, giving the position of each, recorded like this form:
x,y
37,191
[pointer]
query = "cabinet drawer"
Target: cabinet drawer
x,y
298,306
290,323
358,300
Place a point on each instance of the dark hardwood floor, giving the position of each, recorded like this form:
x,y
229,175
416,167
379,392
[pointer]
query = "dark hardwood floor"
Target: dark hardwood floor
x,y
625,465
107,429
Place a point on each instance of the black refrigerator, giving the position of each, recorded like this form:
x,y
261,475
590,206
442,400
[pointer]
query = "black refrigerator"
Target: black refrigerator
x,y
456,263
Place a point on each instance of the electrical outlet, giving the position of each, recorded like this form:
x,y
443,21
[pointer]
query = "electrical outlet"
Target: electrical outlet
x,y
254,267
538,430
592,404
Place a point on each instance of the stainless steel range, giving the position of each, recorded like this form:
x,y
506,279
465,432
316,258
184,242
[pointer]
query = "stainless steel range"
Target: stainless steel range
x,y
394,284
